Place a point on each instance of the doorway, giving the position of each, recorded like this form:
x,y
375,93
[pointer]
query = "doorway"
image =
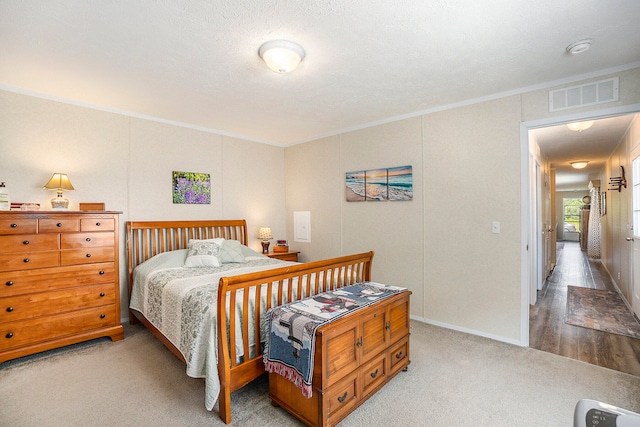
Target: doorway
x,y
553,328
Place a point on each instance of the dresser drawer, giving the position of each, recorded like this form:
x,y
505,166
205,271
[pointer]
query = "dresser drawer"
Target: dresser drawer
x,y
374,374
340,398
399,356
86,240
46,303
33,331
29,260
28,242
97,224
87,255
18,226
44,279
58,225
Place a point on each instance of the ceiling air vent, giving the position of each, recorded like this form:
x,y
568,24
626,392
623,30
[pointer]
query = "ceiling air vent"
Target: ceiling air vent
x,y
586,94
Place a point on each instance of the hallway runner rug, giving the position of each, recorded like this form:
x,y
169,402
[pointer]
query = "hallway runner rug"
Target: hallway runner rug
x,y
601,310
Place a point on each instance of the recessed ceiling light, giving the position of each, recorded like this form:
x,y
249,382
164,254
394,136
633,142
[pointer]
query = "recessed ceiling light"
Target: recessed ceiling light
x,y
579,46
579,165
580,126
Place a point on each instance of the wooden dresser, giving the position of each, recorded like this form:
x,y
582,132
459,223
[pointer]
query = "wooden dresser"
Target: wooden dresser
x,y
59,280
354,357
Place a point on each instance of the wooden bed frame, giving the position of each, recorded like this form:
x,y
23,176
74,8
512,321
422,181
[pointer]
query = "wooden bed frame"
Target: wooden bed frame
x,y
146,239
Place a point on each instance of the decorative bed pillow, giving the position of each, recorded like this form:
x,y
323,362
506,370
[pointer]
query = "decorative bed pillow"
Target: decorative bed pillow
x,y
231,251
203,253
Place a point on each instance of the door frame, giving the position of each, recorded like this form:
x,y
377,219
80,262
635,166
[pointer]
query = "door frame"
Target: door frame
x,y
528,255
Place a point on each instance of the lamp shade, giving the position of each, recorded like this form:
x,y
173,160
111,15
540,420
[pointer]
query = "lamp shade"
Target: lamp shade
x,y
59,181
281,56
265,233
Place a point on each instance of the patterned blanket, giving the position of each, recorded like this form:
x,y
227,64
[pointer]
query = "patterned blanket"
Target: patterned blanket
x,y
291,328
182,303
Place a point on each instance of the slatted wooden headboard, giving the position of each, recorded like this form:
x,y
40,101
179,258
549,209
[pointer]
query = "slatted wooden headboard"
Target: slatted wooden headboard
x,y
148,238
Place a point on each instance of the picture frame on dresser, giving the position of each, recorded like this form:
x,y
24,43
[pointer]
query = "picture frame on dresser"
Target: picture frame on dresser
x,y
59,280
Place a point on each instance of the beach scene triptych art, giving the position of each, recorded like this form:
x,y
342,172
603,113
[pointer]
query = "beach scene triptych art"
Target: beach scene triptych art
x,y
380,184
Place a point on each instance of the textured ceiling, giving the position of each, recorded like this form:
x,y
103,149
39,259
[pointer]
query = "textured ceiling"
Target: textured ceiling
x,y
367,61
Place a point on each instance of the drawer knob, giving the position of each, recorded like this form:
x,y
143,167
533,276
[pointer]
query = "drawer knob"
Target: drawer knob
x,y
9,283
59,224
101,294
9,309
102,316
9,335
88,255
98,224
88,239
101,272
26,260
342,398
14,225
399,355
374,374
387,326
26,242
359,342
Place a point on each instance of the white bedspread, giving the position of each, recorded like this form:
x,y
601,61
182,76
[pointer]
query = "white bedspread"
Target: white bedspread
x,y
181,303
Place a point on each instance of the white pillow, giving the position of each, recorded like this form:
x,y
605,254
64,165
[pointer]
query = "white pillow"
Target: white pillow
x,y
203,253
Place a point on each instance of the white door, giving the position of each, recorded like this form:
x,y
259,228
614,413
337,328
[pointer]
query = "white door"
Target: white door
x,y
635,264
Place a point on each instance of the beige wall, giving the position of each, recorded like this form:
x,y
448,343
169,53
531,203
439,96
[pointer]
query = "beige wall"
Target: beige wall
x,y
127,163
467,173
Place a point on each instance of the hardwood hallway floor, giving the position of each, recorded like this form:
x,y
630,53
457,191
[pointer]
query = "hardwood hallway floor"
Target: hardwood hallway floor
x,y
548,332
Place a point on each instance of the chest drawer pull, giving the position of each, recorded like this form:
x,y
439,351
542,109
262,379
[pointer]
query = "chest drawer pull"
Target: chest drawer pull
x,y
101,294
14,225
88,239
88,255
101,272
359,342
26,260
342,398
374,374
9,283
102,316
399,355
26,242
9,309
98,224
59,224
387,326
9,335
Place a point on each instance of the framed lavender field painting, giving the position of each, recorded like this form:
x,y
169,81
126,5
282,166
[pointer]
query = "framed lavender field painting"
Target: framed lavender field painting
x,y
191,188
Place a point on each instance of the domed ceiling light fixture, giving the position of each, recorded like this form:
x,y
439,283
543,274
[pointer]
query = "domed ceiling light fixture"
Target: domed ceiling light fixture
x,y
579,165
580,126
579,46
282,56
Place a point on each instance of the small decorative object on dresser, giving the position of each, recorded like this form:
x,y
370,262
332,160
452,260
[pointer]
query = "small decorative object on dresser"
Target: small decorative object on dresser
x,y
59,282
59,182
264,235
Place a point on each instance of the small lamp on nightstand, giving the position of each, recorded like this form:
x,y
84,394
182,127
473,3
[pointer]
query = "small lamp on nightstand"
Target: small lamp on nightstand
x,y
59,182
264,234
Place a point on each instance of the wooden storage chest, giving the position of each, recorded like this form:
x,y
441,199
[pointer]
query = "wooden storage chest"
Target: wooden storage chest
x,y
354,357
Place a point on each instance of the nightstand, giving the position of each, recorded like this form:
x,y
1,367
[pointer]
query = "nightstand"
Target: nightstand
x,y
284,256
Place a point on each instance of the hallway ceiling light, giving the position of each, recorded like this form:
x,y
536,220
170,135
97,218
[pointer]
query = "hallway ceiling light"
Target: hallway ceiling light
x,y
580,126
281,56
579,165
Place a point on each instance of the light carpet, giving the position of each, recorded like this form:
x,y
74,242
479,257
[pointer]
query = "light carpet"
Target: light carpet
x,y
601,310
454,379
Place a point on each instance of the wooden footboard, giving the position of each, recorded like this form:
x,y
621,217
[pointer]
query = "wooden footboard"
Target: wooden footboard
x,y
279,286
274,287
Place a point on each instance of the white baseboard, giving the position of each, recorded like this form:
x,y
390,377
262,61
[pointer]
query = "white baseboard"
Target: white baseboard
x,y
468,331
